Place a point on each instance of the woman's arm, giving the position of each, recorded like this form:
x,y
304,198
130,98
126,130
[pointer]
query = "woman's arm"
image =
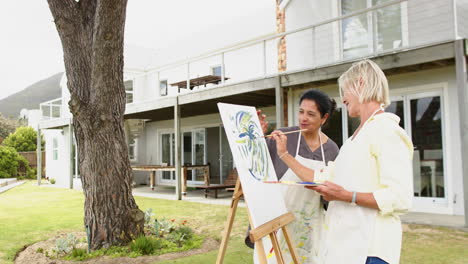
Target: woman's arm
x,y
393,150
300,170
334,192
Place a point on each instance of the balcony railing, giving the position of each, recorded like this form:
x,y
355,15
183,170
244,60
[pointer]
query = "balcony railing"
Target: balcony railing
x,y
51,109
382,28
388,27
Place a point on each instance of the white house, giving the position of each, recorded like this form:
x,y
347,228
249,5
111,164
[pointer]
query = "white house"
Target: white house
x,y
420,44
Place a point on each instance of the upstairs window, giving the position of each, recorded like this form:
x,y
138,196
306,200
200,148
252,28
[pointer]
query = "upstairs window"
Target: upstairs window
x,y
216,70
55,148
163,88
378,30
128,92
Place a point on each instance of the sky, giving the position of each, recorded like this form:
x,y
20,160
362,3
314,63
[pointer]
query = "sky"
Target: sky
x,y
30,49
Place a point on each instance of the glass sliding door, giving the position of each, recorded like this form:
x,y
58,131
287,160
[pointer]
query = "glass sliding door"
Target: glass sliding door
x,y
167,155
187,153
422,116
193,153
227,163
334,127
199,147
397,107
353,124
426,121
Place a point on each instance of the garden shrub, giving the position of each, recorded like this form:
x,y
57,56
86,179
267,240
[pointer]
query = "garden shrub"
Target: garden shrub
x,y
11,163
65,245
78,253
160,237
145,245
23,139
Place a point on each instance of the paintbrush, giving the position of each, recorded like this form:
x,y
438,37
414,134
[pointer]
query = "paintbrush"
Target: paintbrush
x,y
285,133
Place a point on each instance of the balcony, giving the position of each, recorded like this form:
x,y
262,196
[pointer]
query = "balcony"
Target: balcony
x,y
51,109
374,29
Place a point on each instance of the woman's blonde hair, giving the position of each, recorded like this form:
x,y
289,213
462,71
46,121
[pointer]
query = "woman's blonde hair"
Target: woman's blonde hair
x,y
367,81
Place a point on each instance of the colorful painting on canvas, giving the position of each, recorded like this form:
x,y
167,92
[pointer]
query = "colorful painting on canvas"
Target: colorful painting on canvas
x,y
253,162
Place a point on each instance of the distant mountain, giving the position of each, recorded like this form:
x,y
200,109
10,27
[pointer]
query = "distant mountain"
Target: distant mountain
x,y
31,96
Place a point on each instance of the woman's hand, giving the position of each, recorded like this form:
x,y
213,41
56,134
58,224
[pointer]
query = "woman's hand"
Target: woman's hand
x,y
332,192
263,122
281,142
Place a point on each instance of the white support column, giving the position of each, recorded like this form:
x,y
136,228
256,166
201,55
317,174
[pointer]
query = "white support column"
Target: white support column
x,y
279,103
223,72
188,77
462,87
177,149
264,59
70,151
39,156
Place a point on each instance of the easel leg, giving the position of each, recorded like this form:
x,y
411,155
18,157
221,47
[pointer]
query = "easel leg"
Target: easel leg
x,y
276,247
152,179
227,229
184,182
261,252
291,247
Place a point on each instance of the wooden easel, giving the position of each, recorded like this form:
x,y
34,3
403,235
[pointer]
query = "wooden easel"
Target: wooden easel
x,y
258,233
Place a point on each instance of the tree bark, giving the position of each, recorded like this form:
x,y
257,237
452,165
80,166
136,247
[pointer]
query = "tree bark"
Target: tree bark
x,y
92,33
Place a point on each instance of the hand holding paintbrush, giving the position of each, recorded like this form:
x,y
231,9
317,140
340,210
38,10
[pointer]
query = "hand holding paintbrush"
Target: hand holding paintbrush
x,y
285,133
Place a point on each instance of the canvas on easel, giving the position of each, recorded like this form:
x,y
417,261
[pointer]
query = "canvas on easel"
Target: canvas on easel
x,y
265,202
253,162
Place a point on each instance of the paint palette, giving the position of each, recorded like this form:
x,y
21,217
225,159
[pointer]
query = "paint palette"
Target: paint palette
x,y
294,183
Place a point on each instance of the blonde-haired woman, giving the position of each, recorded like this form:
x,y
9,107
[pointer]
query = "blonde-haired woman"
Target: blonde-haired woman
x,y
370,183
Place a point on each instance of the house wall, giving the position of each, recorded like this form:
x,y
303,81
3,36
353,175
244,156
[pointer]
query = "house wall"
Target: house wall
x,y
57,169
444,80
240,65
423,22
305,48
151,137
462,17
430,21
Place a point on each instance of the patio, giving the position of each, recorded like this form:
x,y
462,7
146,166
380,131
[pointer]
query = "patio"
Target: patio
x,y
193,195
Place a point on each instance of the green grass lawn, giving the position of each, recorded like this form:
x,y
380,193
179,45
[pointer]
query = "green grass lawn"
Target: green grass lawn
x,y
29,214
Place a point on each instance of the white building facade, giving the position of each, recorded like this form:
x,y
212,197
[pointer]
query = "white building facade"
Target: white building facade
x,y
420,44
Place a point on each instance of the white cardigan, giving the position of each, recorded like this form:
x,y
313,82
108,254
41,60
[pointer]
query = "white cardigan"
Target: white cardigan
x,y
377,160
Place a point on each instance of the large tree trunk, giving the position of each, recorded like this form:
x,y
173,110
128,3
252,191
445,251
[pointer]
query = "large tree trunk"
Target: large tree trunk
x,y
91,32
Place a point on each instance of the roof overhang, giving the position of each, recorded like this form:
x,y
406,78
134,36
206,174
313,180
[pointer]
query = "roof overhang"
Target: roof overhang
x,y
258,93
55,123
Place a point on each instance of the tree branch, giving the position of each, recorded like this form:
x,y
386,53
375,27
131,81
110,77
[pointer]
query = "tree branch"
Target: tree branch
x,y
108,53
62,9
88,11
76,38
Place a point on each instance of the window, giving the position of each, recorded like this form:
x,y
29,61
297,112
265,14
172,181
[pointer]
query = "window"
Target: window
x,y
132,149
355,30
334,128
388,26
55,148
427,135
216,70
379,30
163,88
128,91
167,154
199,148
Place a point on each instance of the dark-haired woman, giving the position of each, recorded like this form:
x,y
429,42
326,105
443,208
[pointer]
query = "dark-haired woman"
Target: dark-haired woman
x,y
312,149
